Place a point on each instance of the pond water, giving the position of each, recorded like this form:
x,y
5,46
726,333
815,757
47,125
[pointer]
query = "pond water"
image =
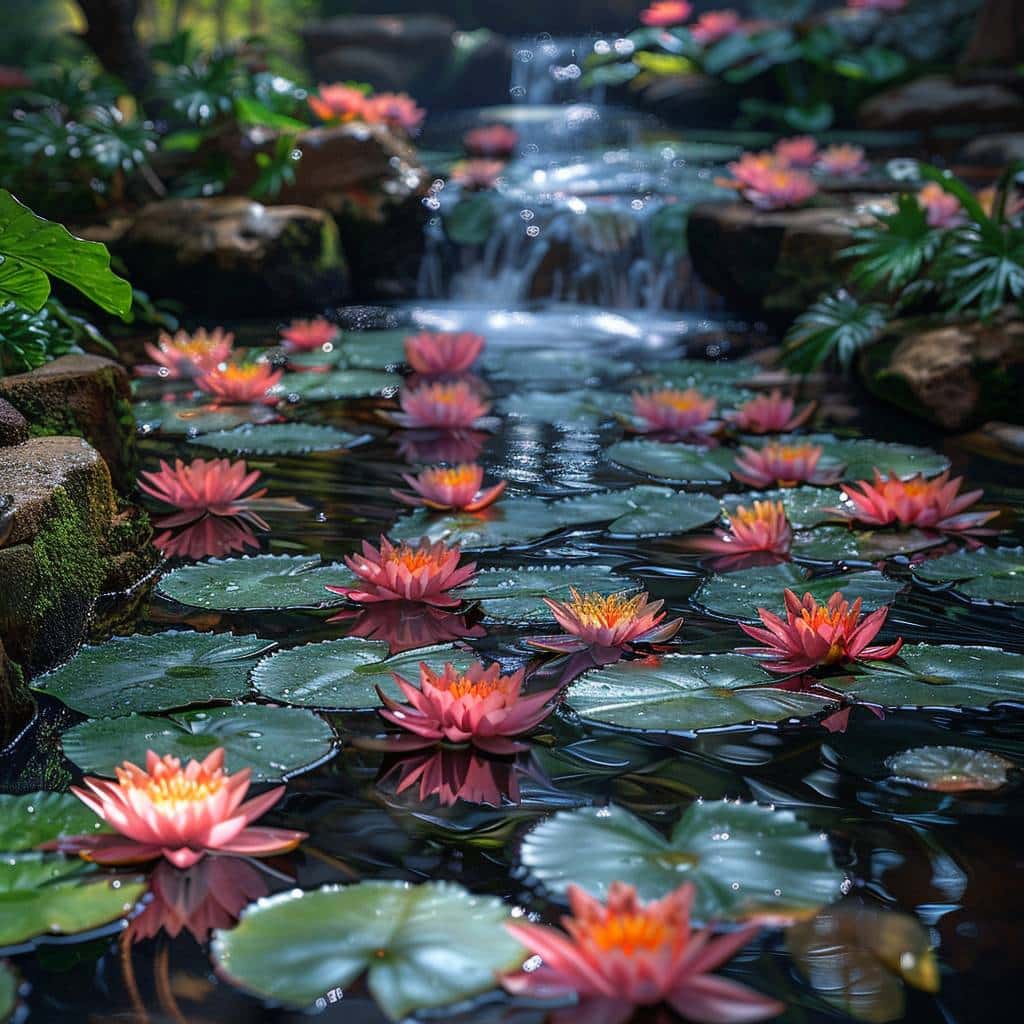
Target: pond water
x,y
557,376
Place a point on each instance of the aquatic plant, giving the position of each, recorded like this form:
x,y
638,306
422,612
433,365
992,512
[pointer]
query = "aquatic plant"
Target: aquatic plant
x,y
308,335
476,175
444,488
817,634
663,13
783,465
479,706
442,406
238,383
770,414
338,102
395,109
606,623
423,572
624,953
934,504
184,355
942,208
177,813
713,26
762,527
435,353
842,161
768,182
491,140
799,151
671,411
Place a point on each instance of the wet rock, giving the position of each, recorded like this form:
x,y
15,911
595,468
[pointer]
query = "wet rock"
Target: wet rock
x,y
996,150
16,704
772,263
938,100
230,255
953,375
13,426
82,395
68,535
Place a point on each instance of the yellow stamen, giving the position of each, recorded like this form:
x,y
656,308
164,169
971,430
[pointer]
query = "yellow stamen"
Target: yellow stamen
x,y
630,933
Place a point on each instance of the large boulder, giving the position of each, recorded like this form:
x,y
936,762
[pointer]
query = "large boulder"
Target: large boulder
x,y
954,375
938,100
230,255
996,150
83,395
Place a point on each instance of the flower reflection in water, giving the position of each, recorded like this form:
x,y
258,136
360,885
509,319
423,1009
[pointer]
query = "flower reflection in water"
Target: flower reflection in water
x,y
210,537
451,775
423,447
404,626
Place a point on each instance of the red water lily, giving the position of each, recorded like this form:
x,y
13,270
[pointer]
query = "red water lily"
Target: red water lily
x,y
817,634
186,355
308,335
177,813
436,353
241,383
448,406
925,504
606,622
395,109
800,151
338,102
764,527
783,465
457,488
770,414
491,140
672,411
424,572
664,13
713,26
478,706
624,953
843,161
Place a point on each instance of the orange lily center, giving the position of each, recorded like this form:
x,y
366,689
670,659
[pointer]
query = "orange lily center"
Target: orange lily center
x,y
174,792
630,933
605,610
681,401
413,559
463,686
452,477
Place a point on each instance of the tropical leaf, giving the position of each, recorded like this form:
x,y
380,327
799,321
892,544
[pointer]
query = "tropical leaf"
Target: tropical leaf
x,y
836,325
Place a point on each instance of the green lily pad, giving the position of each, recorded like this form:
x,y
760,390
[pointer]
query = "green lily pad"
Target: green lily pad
x,y
986,574
511,521
840,543
686,693
42,894
695,373
680,462
578,408
28,820
375,350
948,769
514,595
154,673
862,455
421,946
940,676
738,595
276,743
744,859
10,983
804,505
642,511
186,417
552,367
257,583
278,439
343,675
337,384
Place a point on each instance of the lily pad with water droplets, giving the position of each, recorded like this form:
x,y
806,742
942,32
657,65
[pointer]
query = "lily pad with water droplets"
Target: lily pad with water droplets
x,y
374,350
841,544
804,505
27,820
985,574
155,672
276,743
196,417
948,769
552,367
337,384
343,675
46,895
861,456
257,583
686,693
695,373
421,946
579,409
681,462
642,511
511,521
278,439
744,859
939,676
738,595
514,595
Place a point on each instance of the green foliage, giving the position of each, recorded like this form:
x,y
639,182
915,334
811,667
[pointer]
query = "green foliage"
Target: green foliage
x,y
835,323
892,252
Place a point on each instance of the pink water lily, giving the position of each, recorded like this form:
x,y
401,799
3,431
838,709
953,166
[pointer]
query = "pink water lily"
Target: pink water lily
x,y
713,26
783,465
817,634
769,183
424,572
624,953
606,622
241,383
491,140
478,706
437,353
843,161
671,411
308,335
770,414
458,488
800,151
184,355
447,406
396,109
942,207
178,813
763,527
664,13
338,102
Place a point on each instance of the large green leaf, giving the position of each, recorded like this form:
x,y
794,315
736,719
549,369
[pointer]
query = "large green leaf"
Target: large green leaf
x,y
511,521
584,408
685,693
985,574
257,583
337,384
32,248
374,350
278,439
42,894
554,367
840,543
642,511
682,462
738,595
949,769
421,946
940,676
30,819
154,673
343,675
276,743
10,983
744,859
195,417
863,455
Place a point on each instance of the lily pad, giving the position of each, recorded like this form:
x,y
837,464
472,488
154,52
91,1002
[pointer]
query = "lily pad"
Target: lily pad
x,y
374,350
28,820
642,511
278,439
10,983
342,675
154,673
257,583
693,373
804,505
579,408
41,894
738,595
940,676
514,595
745,859
686,693
948,769
552,367
985,574
337,384
276,743
840,543
421,946
681,462
862,455
509,522
192,418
